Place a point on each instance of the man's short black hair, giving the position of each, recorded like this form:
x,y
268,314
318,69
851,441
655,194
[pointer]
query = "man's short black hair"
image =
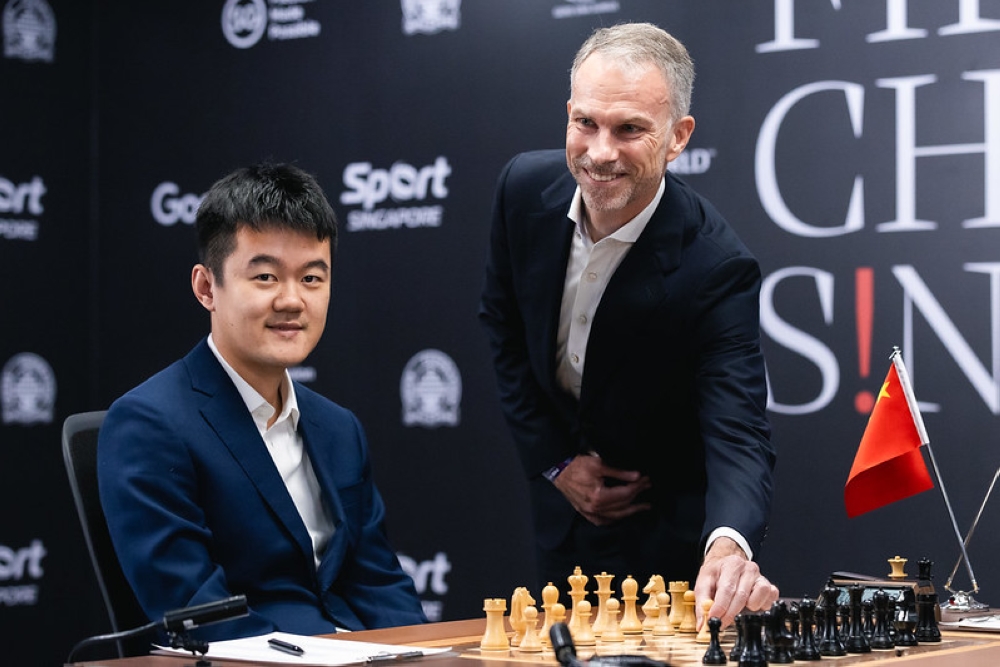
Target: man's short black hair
x,y
259,197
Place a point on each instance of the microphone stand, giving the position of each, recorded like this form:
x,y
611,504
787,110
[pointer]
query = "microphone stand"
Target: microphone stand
x,y
176,623
961,600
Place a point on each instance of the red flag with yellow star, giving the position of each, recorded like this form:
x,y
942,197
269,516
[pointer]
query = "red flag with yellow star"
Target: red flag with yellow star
x,y
889,465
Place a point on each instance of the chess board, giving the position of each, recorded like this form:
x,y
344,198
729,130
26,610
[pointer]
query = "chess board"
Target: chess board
x,y
683,651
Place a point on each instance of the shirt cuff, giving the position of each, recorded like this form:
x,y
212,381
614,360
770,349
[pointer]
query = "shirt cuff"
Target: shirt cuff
x,y
734,535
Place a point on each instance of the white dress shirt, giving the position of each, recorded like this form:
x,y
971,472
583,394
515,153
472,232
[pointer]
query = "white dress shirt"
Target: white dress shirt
x,y
284,444
588,272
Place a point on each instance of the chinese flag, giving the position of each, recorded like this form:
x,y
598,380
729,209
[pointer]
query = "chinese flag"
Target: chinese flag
x,y
889,465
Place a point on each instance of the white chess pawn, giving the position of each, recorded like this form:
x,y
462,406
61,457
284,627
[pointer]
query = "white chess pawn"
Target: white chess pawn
x,y
663,627
530,643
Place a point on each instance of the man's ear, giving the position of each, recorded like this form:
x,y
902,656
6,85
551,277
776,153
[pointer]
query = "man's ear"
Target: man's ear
x,y
203,286
680,134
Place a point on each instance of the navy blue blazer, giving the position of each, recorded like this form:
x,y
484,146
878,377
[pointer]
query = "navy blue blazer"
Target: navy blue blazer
x,y
198,511
674,383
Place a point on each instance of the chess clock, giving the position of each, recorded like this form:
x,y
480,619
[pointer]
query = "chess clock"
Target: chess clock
x,y
903,592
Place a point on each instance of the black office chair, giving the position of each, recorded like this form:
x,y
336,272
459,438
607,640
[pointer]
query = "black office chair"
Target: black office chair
x,y
80,455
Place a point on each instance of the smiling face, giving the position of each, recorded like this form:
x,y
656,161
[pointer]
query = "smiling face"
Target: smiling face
x,y
620,137
269,307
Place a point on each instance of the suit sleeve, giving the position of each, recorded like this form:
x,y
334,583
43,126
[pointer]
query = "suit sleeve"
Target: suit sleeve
x,y
148,490
541,434
371,580
732,397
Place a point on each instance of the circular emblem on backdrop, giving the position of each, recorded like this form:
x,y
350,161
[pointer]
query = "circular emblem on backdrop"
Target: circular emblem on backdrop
x,y
431,390
27,390
244,22
29,30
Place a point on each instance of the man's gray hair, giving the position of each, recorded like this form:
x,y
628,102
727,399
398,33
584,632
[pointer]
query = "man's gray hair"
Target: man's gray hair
x,y
632,45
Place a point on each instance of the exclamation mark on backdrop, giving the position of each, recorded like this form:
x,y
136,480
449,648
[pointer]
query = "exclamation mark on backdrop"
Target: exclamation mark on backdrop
x,y
864,310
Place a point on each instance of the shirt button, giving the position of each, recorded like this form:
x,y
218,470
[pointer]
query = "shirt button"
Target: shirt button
x,y
582,319
591,277
574,358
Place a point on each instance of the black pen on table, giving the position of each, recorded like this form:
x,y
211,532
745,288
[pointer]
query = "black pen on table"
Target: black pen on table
x,y
406,655
285,647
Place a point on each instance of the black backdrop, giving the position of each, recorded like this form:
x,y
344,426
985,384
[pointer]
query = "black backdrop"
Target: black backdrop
x,y
406,111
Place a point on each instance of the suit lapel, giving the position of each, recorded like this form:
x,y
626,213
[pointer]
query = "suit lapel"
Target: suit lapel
x,y
227,414
546,270
312,439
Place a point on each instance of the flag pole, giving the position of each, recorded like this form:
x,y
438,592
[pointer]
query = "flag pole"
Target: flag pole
x,y
911,401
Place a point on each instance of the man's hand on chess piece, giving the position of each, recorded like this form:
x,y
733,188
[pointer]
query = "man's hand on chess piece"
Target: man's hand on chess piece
x,y
732,581
600,493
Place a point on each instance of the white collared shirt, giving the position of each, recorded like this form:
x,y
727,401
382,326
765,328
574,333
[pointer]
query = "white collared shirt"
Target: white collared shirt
x,y
588,272
285,446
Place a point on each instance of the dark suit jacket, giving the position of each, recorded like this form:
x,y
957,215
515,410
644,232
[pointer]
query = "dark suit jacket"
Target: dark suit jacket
x,y
198,511
674,383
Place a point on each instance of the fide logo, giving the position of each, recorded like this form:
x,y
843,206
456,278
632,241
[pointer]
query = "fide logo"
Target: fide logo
x,y
244,22
29,31
430,16
27,390
431,390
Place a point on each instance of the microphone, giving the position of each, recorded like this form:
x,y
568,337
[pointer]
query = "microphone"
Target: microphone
x,y
176,623
188,618
562,644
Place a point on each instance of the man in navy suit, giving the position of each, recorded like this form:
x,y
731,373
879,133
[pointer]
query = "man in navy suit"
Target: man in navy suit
x,y
622,312
221,476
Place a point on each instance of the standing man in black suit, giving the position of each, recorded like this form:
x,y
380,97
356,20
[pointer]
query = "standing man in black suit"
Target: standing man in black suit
x,y
622,312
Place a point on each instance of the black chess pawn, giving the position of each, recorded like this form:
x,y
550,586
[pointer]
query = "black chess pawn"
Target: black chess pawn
x,y
793,625
806,649
845,620
881,639
753,642
714,655
737,649
831,643
868,618
927,627
856,641
891,616
906,623
781,637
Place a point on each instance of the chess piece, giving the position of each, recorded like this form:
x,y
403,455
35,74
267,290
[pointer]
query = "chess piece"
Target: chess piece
x,y
612,630
495,637
630,623
530,642
714,655
651,609
663,628
603,593
831,641
689,621
897,564
577,591
868,618
881,639
927,627
737,649
584,635
753,649
676,590
781,636
550,596
905,623
704,635
856,641
806,649
520,600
